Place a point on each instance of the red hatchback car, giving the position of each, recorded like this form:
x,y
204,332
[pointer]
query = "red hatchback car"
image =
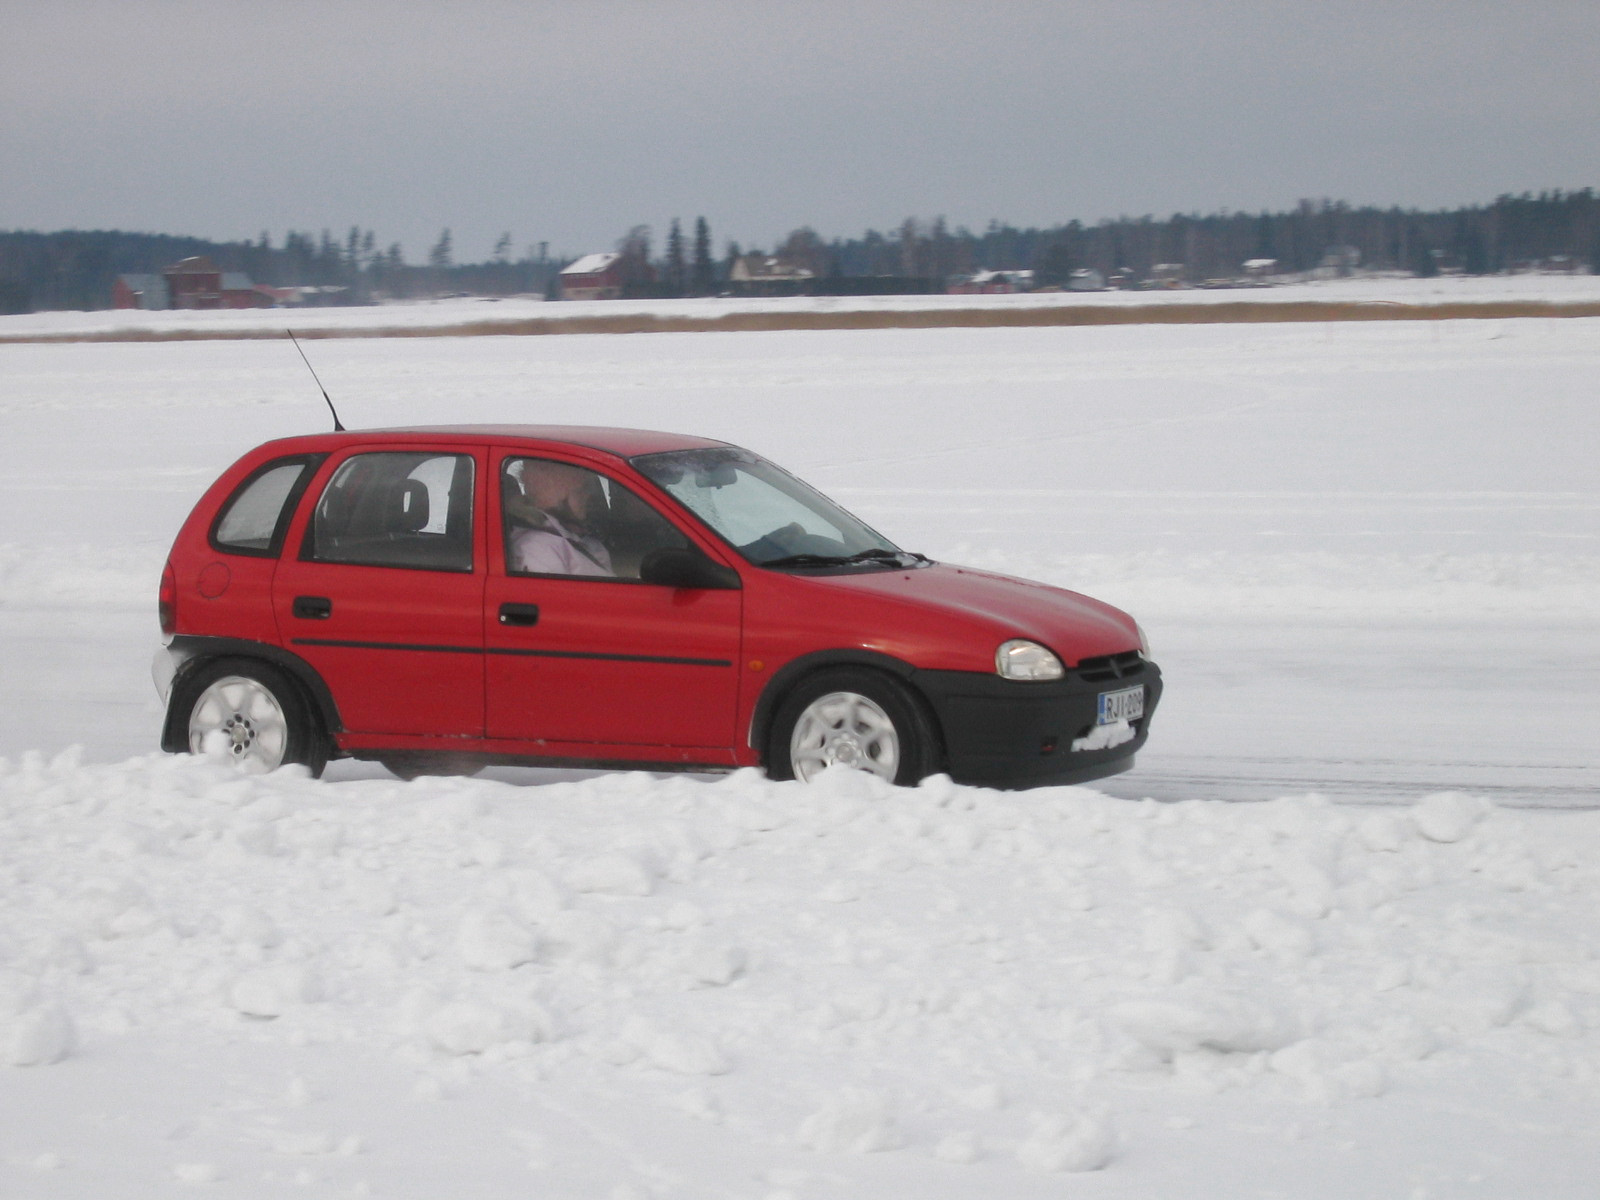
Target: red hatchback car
x,y
438,599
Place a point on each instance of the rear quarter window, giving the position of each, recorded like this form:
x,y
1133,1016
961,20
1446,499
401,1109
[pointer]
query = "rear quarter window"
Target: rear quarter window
x,y
255,518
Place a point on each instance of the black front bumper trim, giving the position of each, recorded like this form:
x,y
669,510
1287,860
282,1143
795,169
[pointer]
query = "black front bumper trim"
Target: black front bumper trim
x,y
1012,734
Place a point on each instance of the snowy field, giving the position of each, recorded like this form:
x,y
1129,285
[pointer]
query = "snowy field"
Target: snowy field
x,y
1550,289
1335,936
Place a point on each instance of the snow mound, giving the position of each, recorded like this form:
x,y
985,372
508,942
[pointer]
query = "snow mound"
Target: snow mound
x,y
1229,1023
845,968
34,1031
1068,1142
856,1122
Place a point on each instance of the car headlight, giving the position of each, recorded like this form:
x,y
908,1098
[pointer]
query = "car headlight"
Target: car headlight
x,y
1020,659
1144,642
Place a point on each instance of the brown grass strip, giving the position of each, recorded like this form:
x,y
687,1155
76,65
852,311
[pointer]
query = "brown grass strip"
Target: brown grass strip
x,y
1223,313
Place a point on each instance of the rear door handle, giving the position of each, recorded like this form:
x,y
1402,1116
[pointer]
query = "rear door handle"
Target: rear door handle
x,y
519,614
312,608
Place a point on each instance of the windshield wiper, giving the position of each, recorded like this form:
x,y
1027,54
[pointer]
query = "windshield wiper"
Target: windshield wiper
x,y
875,554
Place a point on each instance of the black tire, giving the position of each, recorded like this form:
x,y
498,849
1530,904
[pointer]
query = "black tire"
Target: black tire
x,y
260,715
414,765
855,703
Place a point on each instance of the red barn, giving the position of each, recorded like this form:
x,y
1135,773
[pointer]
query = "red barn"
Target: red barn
x,y
192,283
199,283
594,277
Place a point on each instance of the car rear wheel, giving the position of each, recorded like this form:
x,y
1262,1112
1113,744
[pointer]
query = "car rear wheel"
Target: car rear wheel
x,y
851,717
251,715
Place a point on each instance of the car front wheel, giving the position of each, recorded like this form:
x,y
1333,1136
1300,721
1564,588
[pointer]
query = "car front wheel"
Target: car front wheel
x,y
250,715
851,717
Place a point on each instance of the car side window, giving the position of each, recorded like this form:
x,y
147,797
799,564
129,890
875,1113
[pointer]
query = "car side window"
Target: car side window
x,y
254,519
392,508
562,519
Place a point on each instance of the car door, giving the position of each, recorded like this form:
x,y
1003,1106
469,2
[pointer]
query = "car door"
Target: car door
x,y
580,653
384,594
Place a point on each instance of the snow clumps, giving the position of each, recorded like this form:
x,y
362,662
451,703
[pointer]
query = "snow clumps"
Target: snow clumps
x,y
993,982
856,1121
1068,1142
34,1031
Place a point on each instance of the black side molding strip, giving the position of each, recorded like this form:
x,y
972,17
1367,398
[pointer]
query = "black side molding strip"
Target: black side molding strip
x,y
517,653
384,645
645,658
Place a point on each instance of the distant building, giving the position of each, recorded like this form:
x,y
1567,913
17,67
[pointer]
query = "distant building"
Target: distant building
x,y
1167,275
594,277
1338,262
1260,268
199,283
191,283
768,275
992,283
1086,279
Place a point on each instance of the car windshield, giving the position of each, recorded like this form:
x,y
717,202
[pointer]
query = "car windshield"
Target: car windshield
x,y
767,514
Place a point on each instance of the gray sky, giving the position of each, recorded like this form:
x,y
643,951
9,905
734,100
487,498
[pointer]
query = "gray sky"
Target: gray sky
x,y
570,122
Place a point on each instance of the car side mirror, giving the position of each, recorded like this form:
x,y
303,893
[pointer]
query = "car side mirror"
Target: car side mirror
x,y
686,568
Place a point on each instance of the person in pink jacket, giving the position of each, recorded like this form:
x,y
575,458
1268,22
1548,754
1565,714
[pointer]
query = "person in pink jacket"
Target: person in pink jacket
x,y
551,522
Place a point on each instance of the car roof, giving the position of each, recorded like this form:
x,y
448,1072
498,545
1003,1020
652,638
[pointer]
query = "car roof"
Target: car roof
x,y
622,442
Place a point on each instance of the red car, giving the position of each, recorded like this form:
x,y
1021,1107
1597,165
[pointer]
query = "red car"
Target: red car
x,y
442,598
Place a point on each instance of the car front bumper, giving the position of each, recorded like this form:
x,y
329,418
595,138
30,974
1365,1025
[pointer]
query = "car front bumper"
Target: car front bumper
x,y
1011,734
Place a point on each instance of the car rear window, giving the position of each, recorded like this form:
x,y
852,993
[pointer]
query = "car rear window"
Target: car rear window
x,y
255,517
396,509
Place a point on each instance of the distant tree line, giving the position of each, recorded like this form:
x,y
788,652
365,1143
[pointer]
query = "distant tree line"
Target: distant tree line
x,y
1514,232
75,270
1523,232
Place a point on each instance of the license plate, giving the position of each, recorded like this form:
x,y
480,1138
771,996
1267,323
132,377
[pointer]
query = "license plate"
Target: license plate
x,y
1126,705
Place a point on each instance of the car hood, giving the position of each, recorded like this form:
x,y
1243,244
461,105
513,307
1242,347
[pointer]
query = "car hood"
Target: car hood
x,y
950,601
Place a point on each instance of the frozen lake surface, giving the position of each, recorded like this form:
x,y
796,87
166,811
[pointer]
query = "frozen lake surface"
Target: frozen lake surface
x,y
1367,557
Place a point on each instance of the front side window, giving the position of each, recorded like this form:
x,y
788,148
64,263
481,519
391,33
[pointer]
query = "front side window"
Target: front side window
x,y
255,517
767,514
395,508
562,519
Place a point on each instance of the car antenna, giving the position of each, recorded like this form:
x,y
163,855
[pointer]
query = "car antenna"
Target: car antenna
x,y
337,428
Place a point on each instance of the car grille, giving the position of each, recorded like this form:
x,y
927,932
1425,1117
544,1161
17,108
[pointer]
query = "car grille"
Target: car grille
x,y
1111,666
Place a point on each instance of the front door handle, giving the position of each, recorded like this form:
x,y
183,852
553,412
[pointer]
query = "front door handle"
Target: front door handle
x,y
312,608
519,614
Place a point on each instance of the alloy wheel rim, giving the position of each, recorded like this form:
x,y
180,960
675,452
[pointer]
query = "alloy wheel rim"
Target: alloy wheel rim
x,y
844,729
238,720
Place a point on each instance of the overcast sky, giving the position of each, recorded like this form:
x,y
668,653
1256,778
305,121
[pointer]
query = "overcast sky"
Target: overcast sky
x,y
569,122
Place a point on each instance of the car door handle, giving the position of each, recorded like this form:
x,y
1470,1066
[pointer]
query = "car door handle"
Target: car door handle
x,y
519,614
312,608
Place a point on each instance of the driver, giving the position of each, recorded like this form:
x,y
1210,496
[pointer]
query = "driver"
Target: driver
x,y
552,519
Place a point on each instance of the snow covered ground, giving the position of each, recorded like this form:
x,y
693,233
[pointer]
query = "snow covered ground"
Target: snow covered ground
x,y
1366,555
1552,289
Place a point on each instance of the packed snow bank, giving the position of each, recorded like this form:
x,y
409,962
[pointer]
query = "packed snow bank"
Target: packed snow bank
x,y
755,981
